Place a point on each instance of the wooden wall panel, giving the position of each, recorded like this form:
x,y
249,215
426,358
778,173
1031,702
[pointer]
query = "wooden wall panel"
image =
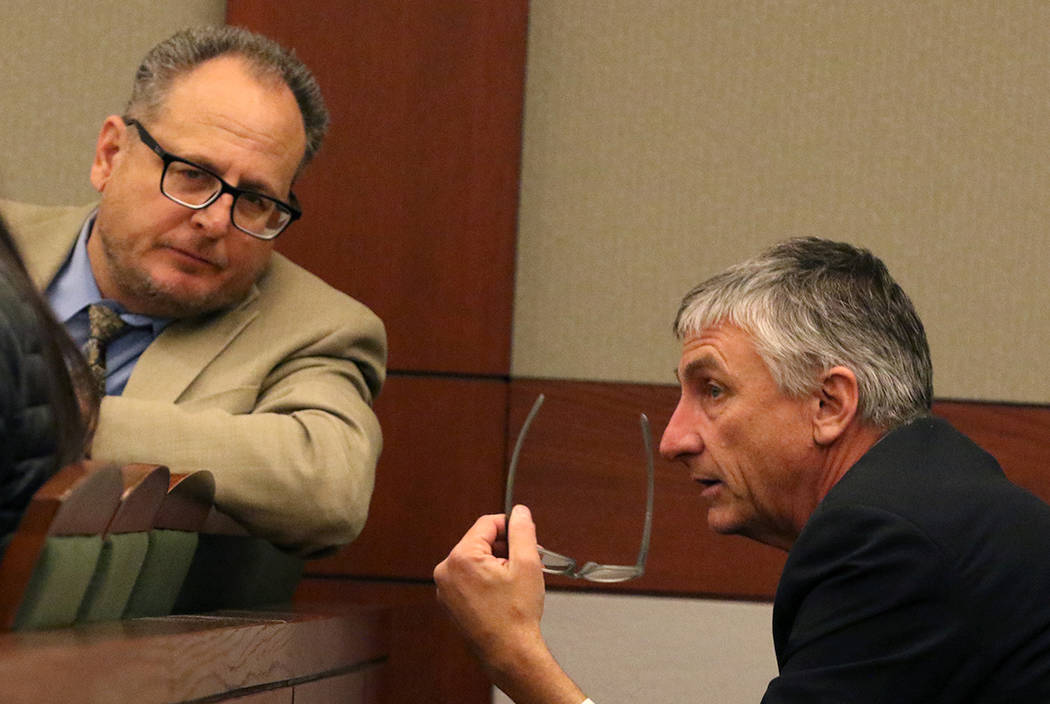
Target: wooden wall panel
x,y
581,473
411,205
351,688
442,466
429,661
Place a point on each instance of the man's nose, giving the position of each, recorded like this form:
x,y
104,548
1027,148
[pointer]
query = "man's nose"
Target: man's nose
x,y
214,220
680,437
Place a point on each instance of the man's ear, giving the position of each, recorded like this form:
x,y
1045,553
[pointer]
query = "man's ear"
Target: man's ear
x,y
108,151
837,400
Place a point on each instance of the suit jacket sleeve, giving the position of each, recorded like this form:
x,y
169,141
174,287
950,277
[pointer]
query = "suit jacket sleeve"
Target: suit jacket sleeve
x,y
281,414
864,614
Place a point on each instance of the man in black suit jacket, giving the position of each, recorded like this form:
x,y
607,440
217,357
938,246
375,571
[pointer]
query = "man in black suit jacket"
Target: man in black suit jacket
x,y
916,571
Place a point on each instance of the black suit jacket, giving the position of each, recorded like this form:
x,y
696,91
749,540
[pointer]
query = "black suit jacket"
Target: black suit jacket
x,y
923,576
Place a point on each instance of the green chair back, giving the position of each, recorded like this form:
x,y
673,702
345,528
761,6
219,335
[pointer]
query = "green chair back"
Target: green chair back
x,y
125,543
172,545
51,559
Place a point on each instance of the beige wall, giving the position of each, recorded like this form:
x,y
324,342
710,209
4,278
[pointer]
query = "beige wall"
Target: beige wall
x,y
665,139
658,650
67,64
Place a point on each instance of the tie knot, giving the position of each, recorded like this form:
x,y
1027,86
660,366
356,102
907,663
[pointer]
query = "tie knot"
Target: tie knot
x,y
105,322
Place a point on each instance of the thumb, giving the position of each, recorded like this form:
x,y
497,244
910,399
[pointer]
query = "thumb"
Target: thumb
x,y
521,532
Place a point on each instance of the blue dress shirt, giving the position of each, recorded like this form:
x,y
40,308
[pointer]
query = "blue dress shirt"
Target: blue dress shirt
x,y
70,294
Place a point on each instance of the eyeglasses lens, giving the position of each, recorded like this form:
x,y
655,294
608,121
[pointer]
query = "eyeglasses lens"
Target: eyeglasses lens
x,y
252,212
188,185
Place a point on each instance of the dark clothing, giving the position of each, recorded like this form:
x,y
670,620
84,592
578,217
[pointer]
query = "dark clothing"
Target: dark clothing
x,y
28,438
923,576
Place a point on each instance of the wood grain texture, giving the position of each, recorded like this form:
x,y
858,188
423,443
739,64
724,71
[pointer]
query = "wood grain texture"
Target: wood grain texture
x,y
411,205
189,657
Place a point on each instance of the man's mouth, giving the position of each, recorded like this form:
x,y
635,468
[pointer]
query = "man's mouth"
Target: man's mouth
x,y
194,256
710,485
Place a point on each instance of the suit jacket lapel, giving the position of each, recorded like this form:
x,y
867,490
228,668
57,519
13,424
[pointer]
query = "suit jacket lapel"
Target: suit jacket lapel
x,y
183,350
45,236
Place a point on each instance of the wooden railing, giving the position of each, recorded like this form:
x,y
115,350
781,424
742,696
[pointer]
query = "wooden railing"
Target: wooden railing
x,y
102,559
254,657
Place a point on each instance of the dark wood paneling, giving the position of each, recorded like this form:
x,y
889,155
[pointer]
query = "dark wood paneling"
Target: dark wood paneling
x,y
429,660
442,467
411,205
581,473
214,657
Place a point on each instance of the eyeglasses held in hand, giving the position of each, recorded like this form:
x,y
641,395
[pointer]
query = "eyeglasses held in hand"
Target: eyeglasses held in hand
x,y
555,563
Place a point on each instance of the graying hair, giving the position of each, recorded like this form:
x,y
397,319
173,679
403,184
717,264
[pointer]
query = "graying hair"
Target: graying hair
x,y
810,305
189,48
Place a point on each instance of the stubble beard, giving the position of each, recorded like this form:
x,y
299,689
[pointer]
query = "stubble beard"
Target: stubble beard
x,y
156,299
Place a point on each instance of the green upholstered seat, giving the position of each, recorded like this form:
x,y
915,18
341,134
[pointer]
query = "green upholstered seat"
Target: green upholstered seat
x,y
163,572
172,545
51,559
117,570
125,543
61,576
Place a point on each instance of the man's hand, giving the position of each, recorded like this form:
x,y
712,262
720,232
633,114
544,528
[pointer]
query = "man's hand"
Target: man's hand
x,y
497,602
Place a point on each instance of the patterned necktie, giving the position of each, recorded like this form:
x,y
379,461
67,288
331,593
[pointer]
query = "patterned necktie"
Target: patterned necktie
x,y
106,325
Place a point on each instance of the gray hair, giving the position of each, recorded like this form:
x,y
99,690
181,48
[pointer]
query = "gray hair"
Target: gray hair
x,y
188,48
811,304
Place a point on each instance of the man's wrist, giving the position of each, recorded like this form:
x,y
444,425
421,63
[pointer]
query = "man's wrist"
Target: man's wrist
x,y
532,675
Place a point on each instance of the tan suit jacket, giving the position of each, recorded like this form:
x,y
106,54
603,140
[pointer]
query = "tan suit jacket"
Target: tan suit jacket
x,y
273,396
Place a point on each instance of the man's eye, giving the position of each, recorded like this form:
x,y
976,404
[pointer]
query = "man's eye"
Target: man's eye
x,y
714,390
187,174
254,204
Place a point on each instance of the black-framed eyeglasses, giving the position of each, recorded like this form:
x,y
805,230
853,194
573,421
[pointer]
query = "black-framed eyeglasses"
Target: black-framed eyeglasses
x,y
196,187
555,563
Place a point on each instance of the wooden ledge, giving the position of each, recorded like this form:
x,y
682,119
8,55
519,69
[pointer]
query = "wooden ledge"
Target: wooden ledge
x,y
209,657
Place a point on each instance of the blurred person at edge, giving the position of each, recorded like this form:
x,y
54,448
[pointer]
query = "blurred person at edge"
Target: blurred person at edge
x,y
48,405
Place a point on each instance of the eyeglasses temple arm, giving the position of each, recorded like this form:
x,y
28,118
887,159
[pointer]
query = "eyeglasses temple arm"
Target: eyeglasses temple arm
x,y
512,470
643,552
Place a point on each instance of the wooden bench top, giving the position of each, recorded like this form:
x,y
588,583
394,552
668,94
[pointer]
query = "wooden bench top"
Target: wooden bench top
x,y
208,657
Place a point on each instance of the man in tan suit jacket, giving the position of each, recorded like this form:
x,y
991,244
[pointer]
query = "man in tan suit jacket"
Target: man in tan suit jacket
x,y
264,374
